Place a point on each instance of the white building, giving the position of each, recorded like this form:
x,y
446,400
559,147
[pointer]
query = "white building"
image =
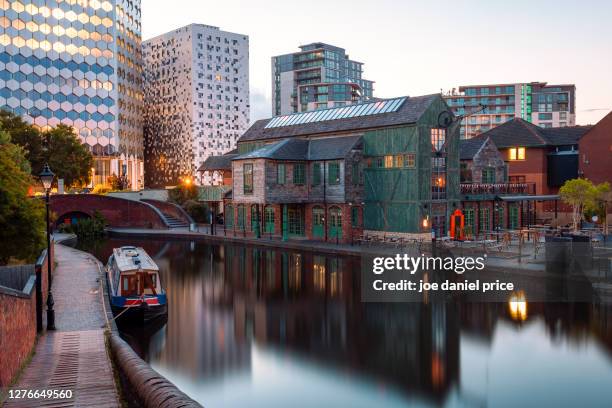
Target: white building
x,y
196,99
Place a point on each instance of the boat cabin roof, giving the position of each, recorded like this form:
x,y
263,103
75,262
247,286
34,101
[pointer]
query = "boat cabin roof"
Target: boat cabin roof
x,y
131,258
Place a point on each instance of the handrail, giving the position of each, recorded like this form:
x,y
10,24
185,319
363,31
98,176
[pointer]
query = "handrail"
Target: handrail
x,y
497,188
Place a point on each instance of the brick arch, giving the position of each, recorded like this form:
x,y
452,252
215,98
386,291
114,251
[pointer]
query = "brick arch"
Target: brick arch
x,y
118,212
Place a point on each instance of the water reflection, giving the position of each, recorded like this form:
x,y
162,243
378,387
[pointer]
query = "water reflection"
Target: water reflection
x,y
260,327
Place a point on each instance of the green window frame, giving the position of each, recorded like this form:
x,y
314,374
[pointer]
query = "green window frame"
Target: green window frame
x,y
335,223
269,219
468,217
316,174
254,217
333,171
247,178
514,217
295,218
355,172
484,220
298,173
229,216
281,173
241,217
318,216
488,175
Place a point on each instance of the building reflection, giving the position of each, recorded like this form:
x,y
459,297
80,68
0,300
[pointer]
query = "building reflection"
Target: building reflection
x,y
227,299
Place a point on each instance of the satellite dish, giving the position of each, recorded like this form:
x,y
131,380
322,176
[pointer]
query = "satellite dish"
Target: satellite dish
x,y
445,118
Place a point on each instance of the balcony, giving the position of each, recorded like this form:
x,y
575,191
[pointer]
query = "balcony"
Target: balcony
x,y
485,191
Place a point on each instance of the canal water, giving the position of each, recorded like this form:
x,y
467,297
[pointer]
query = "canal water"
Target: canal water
x,y
274,328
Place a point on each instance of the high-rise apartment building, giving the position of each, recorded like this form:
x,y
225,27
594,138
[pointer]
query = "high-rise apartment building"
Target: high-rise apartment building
x,y
78,62
196,99
536,102
319,76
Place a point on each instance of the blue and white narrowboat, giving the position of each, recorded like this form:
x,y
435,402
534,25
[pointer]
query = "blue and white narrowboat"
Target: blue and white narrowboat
x,y
135,289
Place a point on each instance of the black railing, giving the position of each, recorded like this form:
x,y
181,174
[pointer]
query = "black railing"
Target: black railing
x,y
498,188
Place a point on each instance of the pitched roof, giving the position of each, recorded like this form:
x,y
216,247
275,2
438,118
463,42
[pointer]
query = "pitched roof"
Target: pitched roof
x,y
469,147
409,112
518,132
328,148
223,162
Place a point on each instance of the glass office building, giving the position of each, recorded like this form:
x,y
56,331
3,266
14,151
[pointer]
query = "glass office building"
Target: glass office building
x,y
79,63
319,76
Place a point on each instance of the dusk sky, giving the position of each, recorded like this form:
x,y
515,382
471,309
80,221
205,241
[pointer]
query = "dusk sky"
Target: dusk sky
x,y
418,47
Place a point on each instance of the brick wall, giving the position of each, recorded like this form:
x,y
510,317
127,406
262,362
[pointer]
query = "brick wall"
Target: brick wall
x,y
117,211
595,148
488,156
17,332
18,321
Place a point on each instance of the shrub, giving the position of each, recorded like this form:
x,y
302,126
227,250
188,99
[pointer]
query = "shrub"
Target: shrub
x,y
182,194
198,211
101,189
86,228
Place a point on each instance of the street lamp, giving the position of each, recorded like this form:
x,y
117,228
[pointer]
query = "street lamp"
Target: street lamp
x,y
47,177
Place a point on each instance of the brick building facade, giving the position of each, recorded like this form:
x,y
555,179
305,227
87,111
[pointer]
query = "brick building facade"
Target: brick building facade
x,y
387,167
595,147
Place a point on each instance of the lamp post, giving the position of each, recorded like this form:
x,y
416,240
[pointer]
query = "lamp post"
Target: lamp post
x,y
46,177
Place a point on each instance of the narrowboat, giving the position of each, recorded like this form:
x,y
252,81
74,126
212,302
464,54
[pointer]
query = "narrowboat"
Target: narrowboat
x,y
135,290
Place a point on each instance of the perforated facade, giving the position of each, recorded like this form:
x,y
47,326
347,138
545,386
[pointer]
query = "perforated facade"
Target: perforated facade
x,y
196,99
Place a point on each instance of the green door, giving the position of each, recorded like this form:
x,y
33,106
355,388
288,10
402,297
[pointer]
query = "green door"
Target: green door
x,y
514,217
241,217
318,230
229,216
335,223
269,220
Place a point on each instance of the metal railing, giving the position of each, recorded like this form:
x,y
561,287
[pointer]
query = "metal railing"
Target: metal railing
x,y
498,188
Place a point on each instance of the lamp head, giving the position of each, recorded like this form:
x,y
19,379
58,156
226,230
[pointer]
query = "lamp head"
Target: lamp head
x,y
46,177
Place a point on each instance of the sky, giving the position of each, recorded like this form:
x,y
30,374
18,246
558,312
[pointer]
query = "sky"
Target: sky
x,y
420,47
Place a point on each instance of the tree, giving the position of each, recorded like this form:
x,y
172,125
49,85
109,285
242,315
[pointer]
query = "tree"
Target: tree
x,y
26,136
598,203
577,193
67,156
583,196
118,183
22,222
183,193
60,147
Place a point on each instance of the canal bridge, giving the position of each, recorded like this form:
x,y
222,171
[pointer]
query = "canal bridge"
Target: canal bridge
x,y
118,212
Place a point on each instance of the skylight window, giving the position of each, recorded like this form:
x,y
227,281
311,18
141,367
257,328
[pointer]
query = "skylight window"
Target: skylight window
x,y
342,112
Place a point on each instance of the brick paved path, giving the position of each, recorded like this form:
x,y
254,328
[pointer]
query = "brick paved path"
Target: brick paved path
x,y
74,357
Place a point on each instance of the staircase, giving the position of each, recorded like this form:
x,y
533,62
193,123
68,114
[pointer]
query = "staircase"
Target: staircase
x,y
174,222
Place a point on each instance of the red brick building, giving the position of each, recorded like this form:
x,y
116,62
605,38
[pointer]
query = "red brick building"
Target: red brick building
x,y
546,157
595,148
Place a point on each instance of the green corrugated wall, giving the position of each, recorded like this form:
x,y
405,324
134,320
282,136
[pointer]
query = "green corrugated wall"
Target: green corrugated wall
x,y
397,199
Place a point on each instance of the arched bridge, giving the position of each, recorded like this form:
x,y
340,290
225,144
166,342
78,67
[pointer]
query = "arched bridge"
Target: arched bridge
x,y
118,212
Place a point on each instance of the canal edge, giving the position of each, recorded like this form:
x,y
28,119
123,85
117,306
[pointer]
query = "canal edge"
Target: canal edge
x,y
148,387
